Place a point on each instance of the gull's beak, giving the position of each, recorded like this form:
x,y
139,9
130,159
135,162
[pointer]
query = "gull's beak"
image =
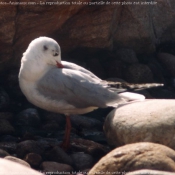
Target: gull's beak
x,y
59,65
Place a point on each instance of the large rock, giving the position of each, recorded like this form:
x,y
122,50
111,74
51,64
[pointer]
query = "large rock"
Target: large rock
x,y
135,157
22,23
141,31
148,121
7,32
85,25
11,168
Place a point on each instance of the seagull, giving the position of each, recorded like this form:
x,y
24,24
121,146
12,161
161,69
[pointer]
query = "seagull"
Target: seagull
x,y
67,88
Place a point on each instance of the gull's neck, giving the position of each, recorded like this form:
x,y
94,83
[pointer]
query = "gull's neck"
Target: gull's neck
x,y
33,69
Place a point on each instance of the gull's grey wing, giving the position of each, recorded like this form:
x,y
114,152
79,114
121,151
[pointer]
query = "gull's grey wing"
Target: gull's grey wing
x,y
76,88
73,66
118,87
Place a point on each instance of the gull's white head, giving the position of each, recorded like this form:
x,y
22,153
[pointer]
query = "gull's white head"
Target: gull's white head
x,y
43,49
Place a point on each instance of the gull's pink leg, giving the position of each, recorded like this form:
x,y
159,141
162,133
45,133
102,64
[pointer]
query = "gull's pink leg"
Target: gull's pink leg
x,y
66,141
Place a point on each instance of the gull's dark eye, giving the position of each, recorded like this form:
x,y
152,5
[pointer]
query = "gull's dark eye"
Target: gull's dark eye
x,y
55,54
45,47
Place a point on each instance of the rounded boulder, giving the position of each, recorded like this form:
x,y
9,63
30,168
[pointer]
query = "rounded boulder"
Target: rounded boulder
x,y
148,121
136,156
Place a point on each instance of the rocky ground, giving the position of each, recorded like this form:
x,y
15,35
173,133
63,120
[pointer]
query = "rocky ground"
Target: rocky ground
x,y
32,137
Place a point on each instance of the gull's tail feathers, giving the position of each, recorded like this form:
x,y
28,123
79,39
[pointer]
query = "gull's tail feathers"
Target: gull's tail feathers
x,y
123,86
132,97
127,98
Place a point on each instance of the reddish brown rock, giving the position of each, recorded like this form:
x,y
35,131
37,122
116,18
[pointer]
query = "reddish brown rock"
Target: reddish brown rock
x,y
7,32
87,25
94,27
22,23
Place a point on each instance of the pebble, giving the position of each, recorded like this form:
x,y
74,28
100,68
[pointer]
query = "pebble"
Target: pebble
x,y
55,167
57,154
28,117
136,156
148,121
3,153
82,161
90,147
29,146
33,159
6,127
